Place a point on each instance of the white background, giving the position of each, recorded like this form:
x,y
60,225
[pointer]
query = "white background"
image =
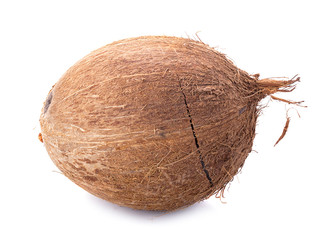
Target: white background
x,y
278,194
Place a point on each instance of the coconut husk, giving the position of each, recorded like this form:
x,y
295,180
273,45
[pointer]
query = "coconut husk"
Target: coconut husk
x,y
154,123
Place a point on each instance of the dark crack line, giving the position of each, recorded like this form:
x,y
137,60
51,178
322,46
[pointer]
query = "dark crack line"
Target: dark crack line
x,y
195,138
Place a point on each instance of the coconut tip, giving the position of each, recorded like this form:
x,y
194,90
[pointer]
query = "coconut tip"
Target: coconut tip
x,y
269,86
272,85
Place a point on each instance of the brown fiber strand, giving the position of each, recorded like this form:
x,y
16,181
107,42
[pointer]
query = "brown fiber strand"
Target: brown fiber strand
x,y
284,131
287,101
119,124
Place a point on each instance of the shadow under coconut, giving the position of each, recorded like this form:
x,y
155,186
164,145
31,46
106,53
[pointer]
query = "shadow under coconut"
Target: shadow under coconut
x,y
200,208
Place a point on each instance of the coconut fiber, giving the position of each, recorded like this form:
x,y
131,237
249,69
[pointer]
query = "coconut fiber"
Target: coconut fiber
x,y
154,123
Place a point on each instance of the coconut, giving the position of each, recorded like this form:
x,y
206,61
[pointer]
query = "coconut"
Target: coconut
x,y
154,122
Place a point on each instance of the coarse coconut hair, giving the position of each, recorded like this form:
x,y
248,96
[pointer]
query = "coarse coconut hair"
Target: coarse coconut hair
x,y
154,122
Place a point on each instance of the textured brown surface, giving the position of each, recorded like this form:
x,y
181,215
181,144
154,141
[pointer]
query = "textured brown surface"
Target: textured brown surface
x,y
154,123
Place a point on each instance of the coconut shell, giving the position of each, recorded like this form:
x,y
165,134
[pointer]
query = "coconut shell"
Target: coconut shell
x,y
154,123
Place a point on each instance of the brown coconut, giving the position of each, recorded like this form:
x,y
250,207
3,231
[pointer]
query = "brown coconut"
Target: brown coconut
x,y
155,123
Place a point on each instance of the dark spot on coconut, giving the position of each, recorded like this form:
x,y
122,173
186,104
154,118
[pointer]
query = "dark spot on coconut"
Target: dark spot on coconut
x,y
242,110
48,101
162,134
90,178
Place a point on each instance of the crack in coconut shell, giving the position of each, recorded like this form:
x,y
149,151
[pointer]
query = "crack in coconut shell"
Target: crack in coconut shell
x,y
195,138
